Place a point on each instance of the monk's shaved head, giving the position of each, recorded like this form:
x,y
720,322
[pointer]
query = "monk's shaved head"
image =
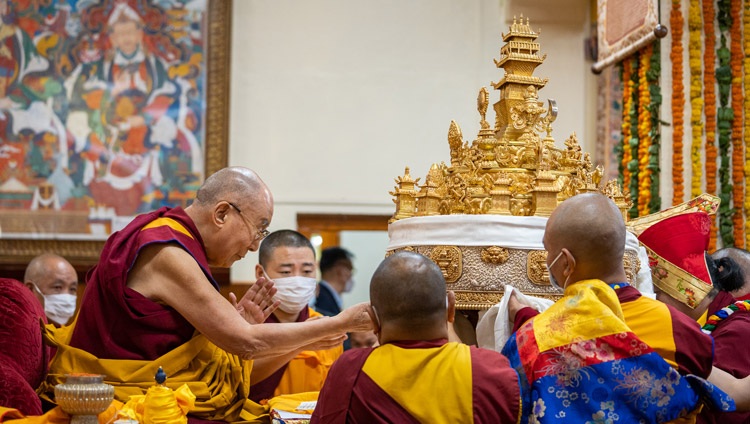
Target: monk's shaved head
x,y
408,289
41,266
232,183
591,227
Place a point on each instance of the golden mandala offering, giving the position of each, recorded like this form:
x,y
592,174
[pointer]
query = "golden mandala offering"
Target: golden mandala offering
x,y
482,218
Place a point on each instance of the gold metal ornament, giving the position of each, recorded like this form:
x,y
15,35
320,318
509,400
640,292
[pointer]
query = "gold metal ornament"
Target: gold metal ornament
x,y
448,258
632,264
495,255
514,168
536,267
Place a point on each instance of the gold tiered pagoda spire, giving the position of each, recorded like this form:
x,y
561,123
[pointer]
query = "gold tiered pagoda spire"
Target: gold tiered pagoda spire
x,y
509,169
519,56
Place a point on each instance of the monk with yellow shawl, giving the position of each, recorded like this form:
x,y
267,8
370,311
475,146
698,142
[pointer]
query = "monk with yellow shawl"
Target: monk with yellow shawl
x,y
288,259
151,301
416,375
578,360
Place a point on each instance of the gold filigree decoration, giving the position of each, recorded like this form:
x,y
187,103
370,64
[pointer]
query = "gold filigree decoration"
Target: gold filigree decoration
x,y
632,264
476,300
536,267
515,167
495,255
449,259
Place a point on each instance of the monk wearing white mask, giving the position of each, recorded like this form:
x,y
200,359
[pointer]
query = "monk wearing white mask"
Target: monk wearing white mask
x,y
288,259
55,283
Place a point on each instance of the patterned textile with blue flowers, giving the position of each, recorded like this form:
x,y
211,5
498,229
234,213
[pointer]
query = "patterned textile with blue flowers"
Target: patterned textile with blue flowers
x,y
579,362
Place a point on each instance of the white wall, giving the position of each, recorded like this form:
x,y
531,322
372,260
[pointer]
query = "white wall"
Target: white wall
x,y
368,248
332,98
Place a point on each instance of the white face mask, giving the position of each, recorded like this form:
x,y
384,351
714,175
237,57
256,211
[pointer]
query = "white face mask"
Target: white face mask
x,y
552,279
294,293
58,307
349,285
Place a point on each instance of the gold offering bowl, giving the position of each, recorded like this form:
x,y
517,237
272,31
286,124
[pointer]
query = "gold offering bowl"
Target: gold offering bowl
x,y
84,396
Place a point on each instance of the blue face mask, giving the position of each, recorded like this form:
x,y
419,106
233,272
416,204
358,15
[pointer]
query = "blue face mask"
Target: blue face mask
x,y
552,279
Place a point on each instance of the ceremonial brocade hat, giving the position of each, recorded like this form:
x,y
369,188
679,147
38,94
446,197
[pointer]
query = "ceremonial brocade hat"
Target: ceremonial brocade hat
x,y
676,248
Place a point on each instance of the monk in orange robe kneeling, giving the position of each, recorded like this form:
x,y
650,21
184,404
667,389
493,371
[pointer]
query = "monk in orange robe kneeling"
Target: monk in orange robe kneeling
x,y
287,258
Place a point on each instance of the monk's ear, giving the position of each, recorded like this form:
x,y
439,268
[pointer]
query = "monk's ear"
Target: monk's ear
x,y
258,271
450,311
570,266
221,210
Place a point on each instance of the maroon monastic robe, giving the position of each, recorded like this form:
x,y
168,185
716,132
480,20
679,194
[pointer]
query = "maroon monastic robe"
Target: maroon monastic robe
x,y
350,395
731,337
117,322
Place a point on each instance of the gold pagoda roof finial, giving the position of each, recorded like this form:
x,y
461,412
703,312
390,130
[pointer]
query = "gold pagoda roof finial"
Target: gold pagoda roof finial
x,y
483,100
513,168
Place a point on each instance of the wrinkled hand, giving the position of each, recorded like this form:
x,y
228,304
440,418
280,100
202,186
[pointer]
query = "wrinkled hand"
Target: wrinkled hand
x,y
326,343
257,304
515,305
357,317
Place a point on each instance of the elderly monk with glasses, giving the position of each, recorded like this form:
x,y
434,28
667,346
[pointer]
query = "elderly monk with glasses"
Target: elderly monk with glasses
x,y
151,301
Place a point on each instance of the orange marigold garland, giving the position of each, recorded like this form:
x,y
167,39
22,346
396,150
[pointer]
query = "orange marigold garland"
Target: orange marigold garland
x,y
746,25
634,135
676,22
644,131
709,94
738,151
654,133
695,26
627,104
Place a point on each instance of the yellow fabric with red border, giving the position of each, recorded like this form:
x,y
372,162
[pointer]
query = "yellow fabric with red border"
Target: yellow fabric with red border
x,y
557,326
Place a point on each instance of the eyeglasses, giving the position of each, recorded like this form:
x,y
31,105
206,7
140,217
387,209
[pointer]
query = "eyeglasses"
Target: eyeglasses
x,y
259,234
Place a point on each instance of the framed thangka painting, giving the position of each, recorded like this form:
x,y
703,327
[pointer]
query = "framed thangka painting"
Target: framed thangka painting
x,y
107,109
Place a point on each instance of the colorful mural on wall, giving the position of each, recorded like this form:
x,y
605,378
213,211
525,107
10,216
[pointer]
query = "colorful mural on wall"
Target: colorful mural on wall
x,y
101,112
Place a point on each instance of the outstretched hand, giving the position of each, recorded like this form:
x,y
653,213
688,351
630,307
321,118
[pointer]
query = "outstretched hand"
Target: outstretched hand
x,y
257,304
514,305
357,318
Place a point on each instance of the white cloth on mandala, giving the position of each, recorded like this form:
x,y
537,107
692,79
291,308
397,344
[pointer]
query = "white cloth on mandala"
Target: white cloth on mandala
x,y
494,328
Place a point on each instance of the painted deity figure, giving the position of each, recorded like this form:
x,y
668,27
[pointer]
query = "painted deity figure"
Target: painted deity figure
x,y
32,137
128,117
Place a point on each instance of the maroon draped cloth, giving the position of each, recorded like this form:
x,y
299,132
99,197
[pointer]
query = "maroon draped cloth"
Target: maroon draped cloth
x,y
23,356
116,322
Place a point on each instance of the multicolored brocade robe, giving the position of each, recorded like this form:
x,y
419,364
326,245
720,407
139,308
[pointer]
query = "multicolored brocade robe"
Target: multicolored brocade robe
x,y
578,361
432,381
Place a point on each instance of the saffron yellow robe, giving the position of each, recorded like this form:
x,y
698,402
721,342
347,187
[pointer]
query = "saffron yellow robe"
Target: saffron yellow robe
x,y
219,380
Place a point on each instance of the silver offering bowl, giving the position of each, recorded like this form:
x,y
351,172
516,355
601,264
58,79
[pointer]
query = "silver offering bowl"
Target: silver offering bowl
x,y
84,396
